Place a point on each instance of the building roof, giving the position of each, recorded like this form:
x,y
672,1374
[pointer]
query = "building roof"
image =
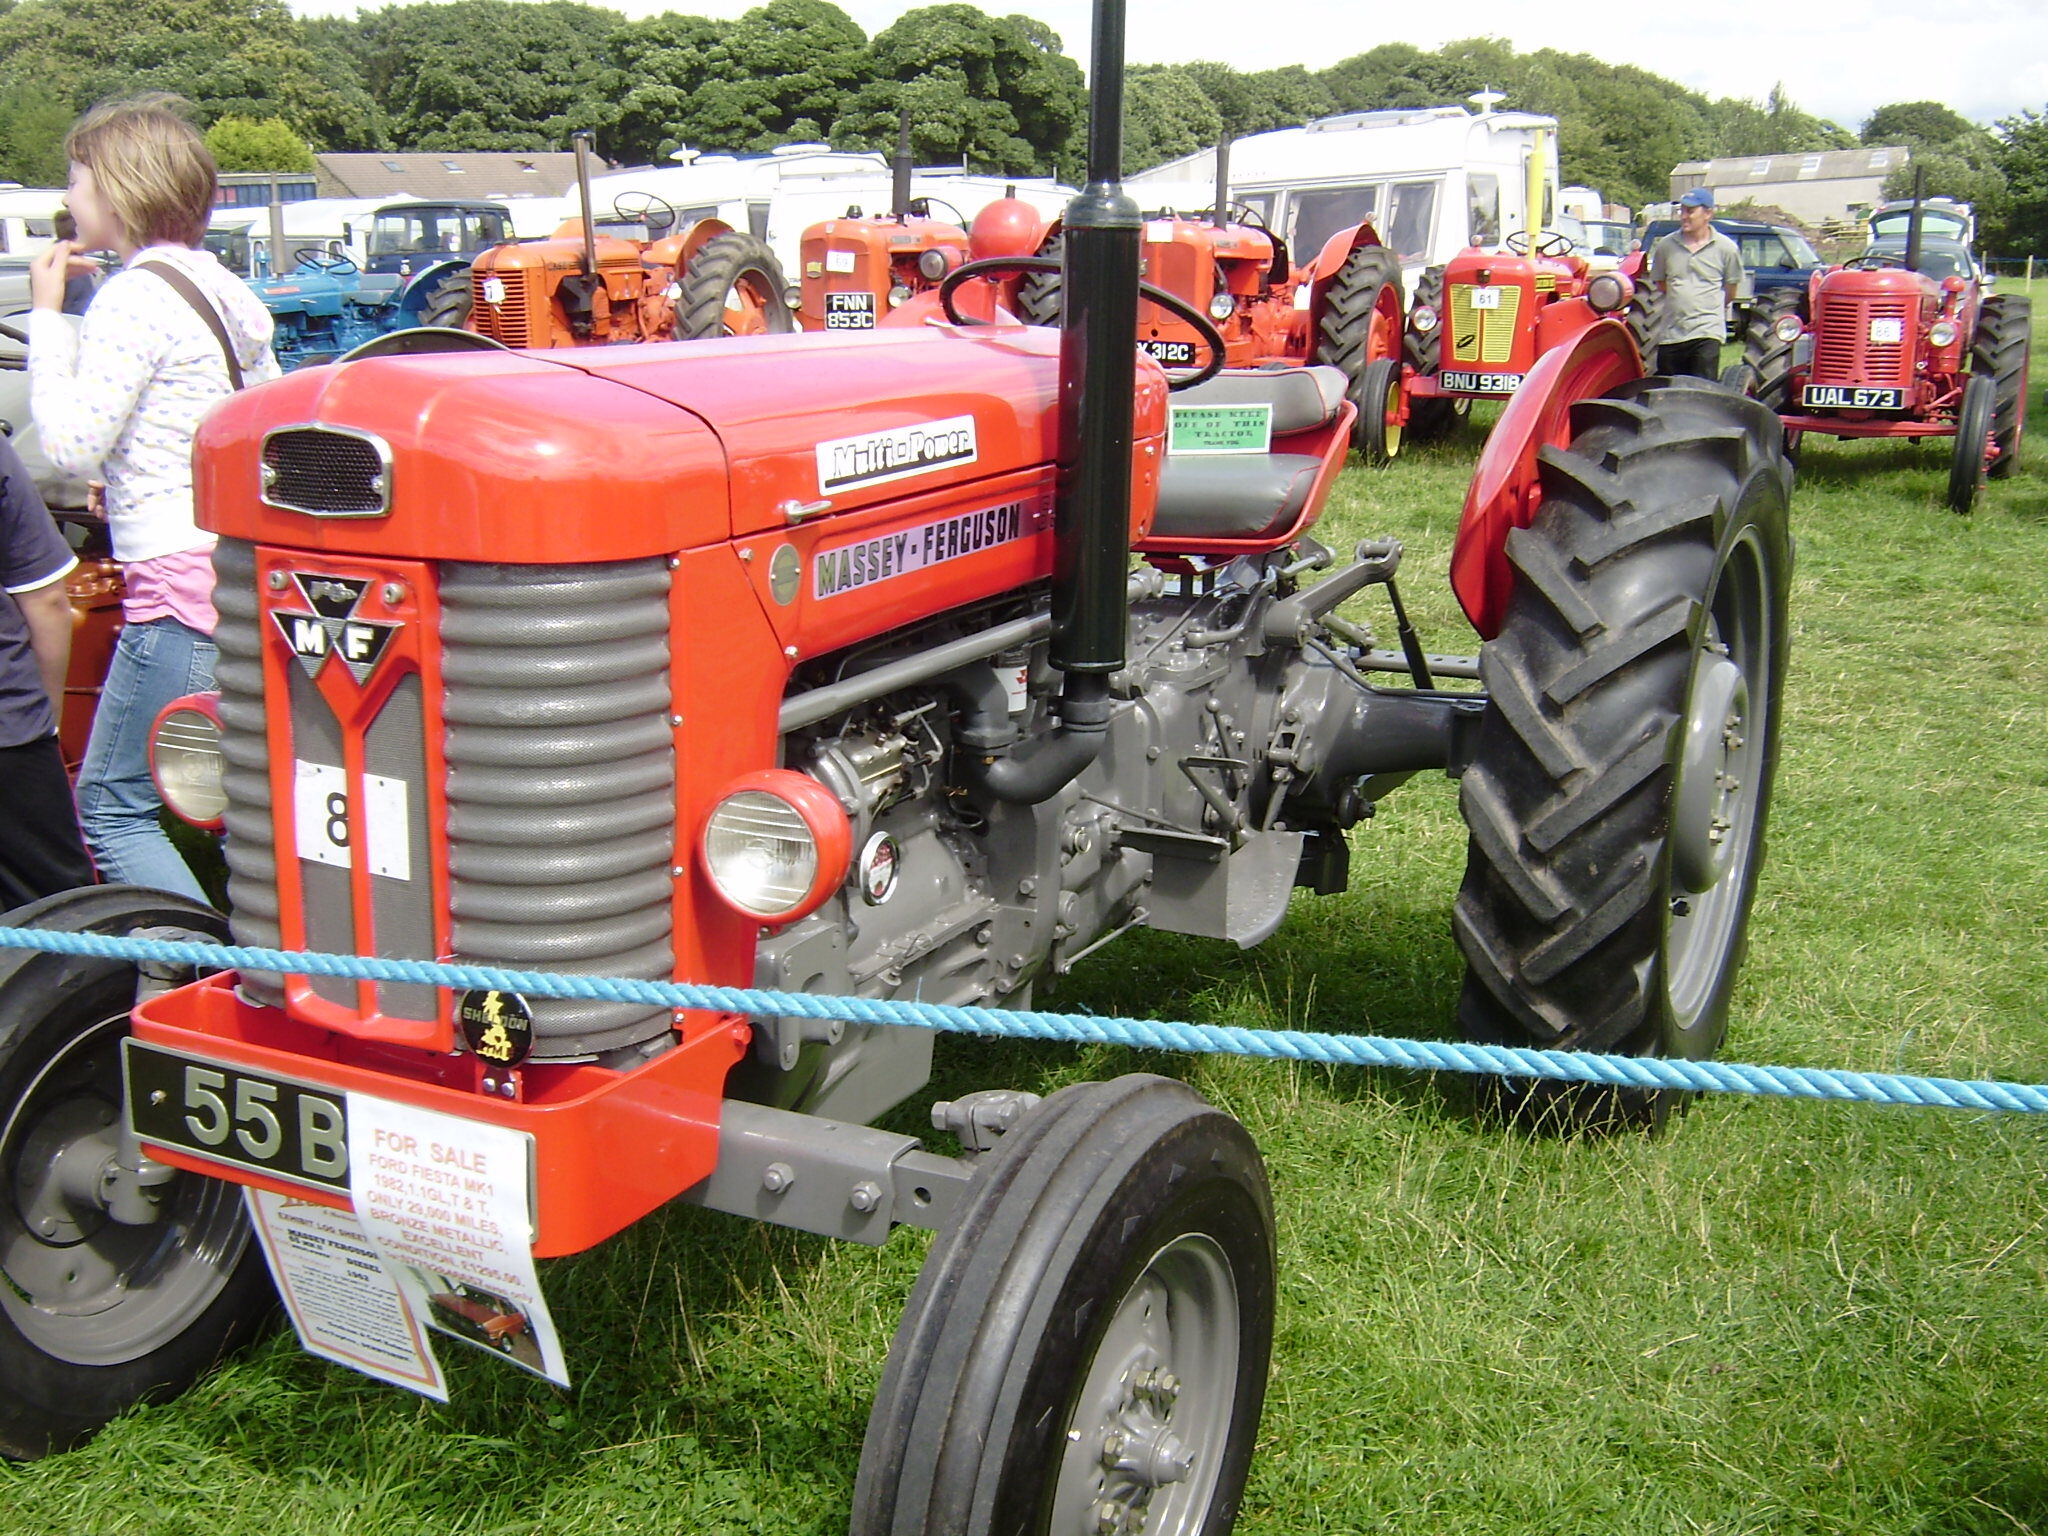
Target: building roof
x,y
1731,173
537,173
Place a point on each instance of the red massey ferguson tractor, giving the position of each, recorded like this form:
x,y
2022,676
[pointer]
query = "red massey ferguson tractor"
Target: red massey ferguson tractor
x,y
910,664
1900,342
1479,324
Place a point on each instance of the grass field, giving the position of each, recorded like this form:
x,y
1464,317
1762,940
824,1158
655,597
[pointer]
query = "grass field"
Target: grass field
x,y
1779,1317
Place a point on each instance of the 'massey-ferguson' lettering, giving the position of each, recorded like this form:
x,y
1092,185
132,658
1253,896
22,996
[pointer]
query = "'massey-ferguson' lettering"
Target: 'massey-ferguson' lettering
x,y
849,567
847,463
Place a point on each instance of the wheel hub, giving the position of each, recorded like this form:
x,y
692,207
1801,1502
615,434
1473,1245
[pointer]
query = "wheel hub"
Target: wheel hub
x,y
1707,797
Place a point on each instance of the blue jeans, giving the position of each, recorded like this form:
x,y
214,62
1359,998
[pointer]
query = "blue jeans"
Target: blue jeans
x,y
153,664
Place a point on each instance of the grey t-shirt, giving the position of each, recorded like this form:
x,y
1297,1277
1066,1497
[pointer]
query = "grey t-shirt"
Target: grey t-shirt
x,y
32,554
1696,286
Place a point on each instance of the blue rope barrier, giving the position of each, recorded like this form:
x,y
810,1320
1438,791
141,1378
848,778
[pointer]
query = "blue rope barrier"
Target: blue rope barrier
x,y
1088,1029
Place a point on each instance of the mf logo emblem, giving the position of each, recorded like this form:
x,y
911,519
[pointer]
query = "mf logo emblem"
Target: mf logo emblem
x,y
332,628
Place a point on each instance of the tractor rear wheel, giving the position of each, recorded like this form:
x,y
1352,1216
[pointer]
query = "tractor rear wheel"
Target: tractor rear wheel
x,y
1973,442
1999,350
1358,328
1429,417
1086,1346
97,1315
1038,295
449,304
1765,353
733,286
1617,797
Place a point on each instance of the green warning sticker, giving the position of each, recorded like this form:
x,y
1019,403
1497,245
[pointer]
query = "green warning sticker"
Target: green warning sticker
x,y
1220,429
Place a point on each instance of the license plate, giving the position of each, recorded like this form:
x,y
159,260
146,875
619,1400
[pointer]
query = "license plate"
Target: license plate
x,y
1485,298
291,1131
1852,397
1481,383
1173,353
849,311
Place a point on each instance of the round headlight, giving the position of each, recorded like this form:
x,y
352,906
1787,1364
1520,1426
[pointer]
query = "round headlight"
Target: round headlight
x,y
1942,333
898,296
1222,307
1422,318
777,846
1788,328
793,296
934,264
185,760
1606,293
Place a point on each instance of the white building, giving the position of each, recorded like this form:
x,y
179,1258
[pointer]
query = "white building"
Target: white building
x,y
1814,188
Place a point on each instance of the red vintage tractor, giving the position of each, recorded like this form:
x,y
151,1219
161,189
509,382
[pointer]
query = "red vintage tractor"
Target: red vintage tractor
x,y
1899,342
909,665
1479,324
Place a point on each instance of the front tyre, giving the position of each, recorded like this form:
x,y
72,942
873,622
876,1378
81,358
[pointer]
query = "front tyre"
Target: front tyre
x,y
1377,394
1085,1351
97,1315
1620,784
733,286
2000,352
1966,470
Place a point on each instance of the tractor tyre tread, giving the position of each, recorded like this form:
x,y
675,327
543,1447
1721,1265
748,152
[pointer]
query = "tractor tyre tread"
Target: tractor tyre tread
x,y
1766,354
709,277
2000,349
1343,337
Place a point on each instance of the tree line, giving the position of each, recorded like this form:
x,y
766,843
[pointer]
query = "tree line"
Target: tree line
x,y
995,93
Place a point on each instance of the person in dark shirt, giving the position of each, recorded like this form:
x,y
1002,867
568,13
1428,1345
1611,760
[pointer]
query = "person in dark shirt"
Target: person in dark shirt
x,y
41,851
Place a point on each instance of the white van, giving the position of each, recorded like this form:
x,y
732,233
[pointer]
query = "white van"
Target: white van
x,y
26,218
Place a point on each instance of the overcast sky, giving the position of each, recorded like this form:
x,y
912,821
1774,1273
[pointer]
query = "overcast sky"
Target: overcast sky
x,y
1987,60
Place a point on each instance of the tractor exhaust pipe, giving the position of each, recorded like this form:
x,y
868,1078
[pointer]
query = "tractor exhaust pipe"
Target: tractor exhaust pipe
x,y
1220,214
899,170
585,140
1092,507
1913,219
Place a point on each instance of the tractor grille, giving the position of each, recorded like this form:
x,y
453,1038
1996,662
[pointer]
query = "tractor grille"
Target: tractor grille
x,y
1844,353
326,473
1483,335
506,320
560,793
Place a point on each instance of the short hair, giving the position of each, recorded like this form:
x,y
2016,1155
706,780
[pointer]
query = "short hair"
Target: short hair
x,y
150,165
65,225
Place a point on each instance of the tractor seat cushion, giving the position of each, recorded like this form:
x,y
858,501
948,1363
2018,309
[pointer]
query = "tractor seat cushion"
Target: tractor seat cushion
x,y
1302,398
1233,496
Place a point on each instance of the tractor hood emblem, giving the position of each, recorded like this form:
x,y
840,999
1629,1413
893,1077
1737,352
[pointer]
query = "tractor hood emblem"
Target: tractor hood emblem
x,y
332,628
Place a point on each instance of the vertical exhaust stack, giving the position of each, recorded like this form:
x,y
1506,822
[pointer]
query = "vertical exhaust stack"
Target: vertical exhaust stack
x,y
1092,510
1913,219
584,140
899,170
1220,214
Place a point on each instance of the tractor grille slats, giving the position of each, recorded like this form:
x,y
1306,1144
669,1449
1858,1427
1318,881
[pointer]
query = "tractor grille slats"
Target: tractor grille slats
x,y
1483,335
250,846
1844,352
325,473
506,320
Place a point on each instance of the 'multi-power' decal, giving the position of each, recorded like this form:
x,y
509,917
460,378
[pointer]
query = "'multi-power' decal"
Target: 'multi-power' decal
x,y
849,567
847,463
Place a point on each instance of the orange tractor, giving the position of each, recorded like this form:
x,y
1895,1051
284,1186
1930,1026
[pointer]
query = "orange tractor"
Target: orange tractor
x,y
586,286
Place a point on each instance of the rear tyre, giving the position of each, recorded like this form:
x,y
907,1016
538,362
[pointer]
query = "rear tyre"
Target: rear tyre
x,y
1973,441
449,304
1377,394
96,1316
1618,793
1999,351
1766,354
1357,328
1038,295
1086,1346
733,286
1429,417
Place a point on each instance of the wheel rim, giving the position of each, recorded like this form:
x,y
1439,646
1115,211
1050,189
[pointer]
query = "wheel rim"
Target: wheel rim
x,y
1146,1440
746,305
1390,417
78,1285
1718,794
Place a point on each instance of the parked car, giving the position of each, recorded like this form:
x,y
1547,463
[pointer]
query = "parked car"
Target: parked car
x,y
1773,258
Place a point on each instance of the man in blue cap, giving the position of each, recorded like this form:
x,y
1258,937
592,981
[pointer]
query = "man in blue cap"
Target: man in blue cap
x,y
1697,269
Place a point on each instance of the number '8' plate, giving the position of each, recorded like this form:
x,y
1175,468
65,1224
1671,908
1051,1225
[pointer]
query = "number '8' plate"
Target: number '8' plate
x,y
227,1114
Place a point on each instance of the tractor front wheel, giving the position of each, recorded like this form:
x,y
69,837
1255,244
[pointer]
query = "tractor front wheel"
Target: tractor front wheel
x,y
1617,797
98,1313
1974,420
1766,354
1086,1347
1377,394
450,303
1999,351
1361,324
733,286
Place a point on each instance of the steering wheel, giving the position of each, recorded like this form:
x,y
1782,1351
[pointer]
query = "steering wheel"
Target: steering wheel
x,y
1212,340
1548,243
1874,261
644,208
318,260
925,204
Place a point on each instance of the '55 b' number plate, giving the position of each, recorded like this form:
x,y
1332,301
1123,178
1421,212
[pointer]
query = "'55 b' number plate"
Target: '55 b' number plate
x,y
228,1114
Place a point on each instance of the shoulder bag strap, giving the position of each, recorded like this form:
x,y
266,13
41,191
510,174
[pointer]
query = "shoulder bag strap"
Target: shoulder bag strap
x,y
189,291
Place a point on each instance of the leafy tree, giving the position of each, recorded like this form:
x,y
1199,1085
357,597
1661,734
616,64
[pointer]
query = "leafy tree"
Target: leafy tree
x,y
653,71
1913,123
786,71
1263,99
1166,114
2022,154
243,144
33,122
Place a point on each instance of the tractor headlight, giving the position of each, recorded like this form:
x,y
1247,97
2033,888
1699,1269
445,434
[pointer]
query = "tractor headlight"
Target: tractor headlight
x,y
1607,293
185,759
1788,328
899,295
934,264
793,296
1422,318
1222,306
1942,333
777,845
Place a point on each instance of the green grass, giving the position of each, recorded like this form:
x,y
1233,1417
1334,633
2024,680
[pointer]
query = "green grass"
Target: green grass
x,y
1777,1318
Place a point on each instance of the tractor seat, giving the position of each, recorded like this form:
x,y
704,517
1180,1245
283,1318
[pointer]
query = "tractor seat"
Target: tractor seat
x,y
1249,495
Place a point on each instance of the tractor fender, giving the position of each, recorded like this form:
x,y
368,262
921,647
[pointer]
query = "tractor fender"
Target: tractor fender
x,y
701,234
977,300
1010,226
1337,250
1504,493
